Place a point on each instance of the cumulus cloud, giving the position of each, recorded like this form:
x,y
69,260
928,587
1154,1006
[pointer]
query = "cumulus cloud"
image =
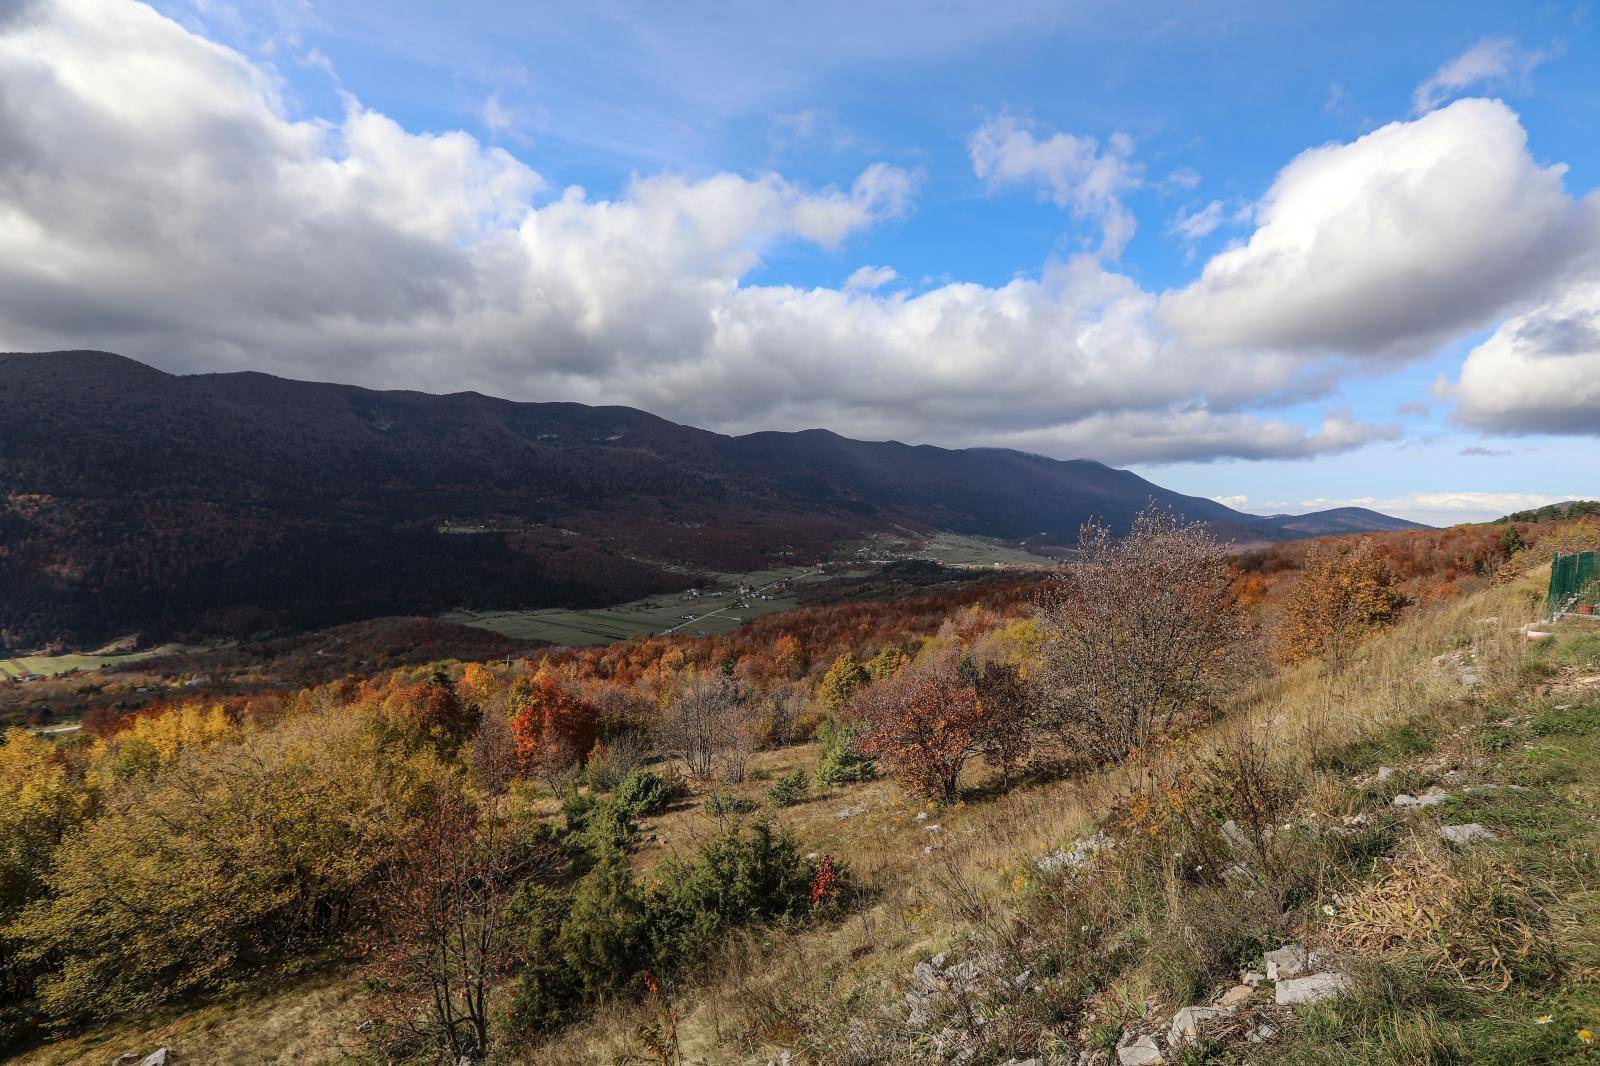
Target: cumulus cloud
x,y
1539,372
1236,502
192,221
232,235
1492,63
1075,173
1444,508
1390,245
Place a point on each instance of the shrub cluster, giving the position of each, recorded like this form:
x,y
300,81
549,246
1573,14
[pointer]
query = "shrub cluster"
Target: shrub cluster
x,y
612,930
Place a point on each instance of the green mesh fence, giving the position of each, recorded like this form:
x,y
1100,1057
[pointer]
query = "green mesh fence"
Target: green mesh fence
x,y
1568,576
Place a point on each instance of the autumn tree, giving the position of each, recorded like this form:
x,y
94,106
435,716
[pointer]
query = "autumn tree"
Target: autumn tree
x,y
230,855
1007,706
924,725
1346,592
1139,630
39,805
886,664
840,683
705,723
555,726
447,936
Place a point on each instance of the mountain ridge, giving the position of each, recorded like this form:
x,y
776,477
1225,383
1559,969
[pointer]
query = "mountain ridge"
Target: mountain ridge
x,y
138,500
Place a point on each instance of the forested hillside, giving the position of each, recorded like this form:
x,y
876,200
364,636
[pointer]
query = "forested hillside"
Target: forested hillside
x,y
138,502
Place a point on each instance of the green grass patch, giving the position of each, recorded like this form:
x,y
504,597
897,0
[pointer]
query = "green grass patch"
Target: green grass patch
x,y
713,612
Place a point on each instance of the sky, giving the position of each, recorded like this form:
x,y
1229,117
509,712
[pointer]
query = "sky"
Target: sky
x,y
1284,256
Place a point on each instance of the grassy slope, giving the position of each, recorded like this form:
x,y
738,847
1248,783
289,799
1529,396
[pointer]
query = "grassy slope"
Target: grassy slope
x,y
800,991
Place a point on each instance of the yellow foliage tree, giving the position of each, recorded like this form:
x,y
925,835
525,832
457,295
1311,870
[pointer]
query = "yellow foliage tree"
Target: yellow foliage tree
x,y
39,805
221,860
154,741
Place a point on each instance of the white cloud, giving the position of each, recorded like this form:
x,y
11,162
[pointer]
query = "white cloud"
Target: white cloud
x,y
1193,226
1236,502
1492,63
867,278
1443,508
1394,243
231,235
1074,173
1539,372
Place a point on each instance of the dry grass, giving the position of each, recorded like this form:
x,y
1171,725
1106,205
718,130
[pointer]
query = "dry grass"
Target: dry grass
x,y
1476,919
801,991
306,1024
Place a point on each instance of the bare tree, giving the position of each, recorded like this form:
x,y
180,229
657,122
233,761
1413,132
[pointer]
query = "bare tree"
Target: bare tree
x,y
446,938
702,724
1139,631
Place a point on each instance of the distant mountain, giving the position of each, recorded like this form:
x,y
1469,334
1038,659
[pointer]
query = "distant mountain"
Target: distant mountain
x,y
132,500
1552,512
1338,520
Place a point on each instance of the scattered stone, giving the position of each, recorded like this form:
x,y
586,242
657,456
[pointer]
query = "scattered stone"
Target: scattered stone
x,y
1290,960
1237,838
1188,1022
1313,989
922,816
1237,870
934,828
1071,858
1252,977
1383,774
851,812
1471,679
1142,1051
1235,997
1262,1033
1470,833
1431,798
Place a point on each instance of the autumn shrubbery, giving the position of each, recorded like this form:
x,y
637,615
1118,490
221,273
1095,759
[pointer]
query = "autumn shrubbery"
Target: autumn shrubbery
x,y
221,861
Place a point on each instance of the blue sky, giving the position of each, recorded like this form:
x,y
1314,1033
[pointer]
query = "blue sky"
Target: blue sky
x,y
967,148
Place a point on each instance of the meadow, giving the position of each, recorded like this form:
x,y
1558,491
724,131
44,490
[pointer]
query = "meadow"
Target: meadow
x,y
711,612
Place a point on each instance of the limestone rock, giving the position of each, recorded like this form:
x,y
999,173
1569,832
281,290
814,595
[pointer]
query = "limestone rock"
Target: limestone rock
x,y
1142,1051
1288,961
1470,833
1188,1022
1313,989
1431,798
1234,997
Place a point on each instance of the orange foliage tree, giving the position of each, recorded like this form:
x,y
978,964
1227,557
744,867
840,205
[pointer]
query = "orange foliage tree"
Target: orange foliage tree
x,y
554,726
925,724
1346,593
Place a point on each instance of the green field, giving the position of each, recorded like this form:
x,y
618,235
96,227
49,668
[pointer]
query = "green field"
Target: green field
x,y
49,665
952,549
712,612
